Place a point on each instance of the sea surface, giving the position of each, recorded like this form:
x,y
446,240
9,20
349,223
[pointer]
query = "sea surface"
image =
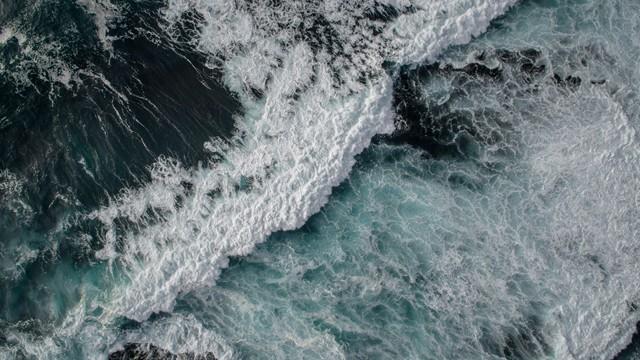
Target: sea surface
x,y
337,179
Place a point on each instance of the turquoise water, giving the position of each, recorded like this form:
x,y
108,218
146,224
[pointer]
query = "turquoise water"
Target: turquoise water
x,y
401,263
479,247
499,220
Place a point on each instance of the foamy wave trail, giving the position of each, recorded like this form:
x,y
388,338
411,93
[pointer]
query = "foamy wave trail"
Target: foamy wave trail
x,y
315,81
310,77
500,220
314,89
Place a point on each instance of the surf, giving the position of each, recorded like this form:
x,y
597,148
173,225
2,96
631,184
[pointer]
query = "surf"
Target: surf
x,y
317,82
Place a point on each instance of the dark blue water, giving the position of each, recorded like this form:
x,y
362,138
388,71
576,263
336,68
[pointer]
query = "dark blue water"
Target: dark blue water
x,y
70,145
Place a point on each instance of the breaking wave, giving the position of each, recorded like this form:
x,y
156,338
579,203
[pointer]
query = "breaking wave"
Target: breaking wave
x,y
311,105
497,203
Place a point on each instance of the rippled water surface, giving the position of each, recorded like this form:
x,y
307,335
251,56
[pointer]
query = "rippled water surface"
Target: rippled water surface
x,y
397,179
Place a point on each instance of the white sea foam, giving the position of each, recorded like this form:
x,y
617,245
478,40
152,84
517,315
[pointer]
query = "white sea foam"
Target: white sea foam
x,y
299,138
571,222
13,254
310,77
421,38
594,150
290,181
297,141
104,12
8,32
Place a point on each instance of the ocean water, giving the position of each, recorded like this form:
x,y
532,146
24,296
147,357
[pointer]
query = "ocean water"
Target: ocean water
x,y
397,179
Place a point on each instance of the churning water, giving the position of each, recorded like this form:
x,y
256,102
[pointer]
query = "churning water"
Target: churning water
x,y
395,179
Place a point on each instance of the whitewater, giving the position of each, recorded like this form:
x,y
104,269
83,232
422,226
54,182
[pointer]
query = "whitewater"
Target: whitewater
x,y
400,183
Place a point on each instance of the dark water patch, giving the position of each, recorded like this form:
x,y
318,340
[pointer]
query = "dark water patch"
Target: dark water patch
x,y
79,143
449,120
150,352
126,324
431,124
387,12
88,140
7,9
187,29
430,127
522,341
632,351
571,82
